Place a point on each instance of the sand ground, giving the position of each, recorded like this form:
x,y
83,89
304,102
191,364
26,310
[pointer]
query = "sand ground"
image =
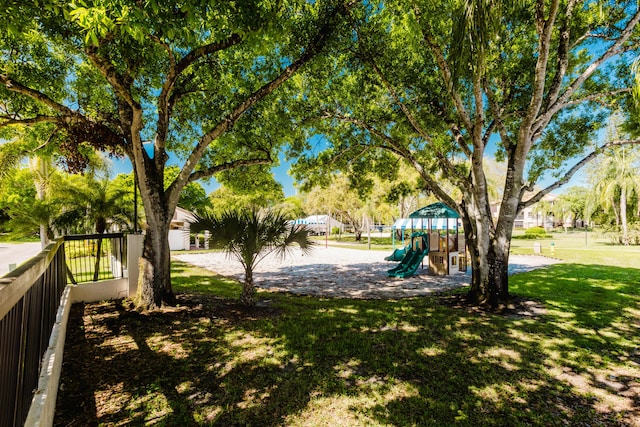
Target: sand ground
x,y
344,273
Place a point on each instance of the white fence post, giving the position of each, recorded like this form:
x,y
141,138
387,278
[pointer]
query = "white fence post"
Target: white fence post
x,y
134,253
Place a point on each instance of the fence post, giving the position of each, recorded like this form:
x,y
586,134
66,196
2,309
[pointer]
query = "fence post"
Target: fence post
x,y
116,257
134,253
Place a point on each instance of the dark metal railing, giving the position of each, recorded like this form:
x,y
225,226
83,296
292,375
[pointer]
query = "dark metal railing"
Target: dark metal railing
x,y
94,257
29,300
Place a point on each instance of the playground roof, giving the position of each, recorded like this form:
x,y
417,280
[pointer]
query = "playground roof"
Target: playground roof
x,y
435,210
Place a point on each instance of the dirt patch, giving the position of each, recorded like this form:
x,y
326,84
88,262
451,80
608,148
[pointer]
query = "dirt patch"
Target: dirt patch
x,y
108,362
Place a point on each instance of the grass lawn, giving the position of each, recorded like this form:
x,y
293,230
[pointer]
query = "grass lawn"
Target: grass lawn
x,y
569,356
582,248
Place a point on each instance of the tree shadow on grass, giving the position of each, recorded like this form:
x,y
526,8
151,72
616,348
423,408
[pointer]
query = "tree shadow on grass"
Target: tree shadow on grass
x,y
590,297
311,361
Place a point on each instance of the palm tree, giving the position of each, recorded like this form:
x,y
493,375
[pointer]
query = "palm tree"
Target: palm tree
x,y
250,236
615,181
33,215
41,152
98,204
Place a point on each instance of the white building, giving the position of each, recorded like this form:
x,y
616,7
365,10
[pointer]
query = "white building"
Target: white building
x,y
179,238
318,223
531,216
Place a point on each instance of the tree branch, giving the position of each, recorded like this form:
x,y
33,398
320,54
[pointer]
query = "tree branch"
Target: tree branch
x,y
10,120
562,100
109,72
446,72
567,176
230,119
497,121
14,86
457,135
392,146
545,33
166,101
204,173
563,54
414,123
597,97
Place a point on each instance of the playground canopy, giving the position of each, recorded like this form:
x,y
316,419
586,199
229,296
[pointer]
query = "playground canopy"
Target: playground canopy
x,y
421,224
435,210
437,217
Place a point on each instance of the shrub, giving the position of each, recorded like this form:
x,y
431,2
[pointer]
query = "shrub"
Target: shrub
x,y
535,233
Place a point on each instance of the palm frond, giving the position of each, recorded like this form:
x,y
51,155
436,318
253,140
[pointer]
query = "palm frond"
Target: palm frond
x,y
251,235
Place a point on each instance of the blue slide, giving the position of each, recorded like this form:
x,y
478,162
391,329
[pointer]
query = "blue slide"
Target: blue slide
x,y
409,264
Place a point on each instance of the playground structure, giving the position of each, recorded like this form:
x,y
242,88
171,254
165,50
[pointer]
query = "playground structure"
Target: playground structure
x,y
446,252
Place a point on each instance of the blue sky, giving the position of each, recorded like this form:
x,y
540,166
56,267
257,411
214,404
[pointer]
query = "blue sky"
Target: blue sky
x,y
282,176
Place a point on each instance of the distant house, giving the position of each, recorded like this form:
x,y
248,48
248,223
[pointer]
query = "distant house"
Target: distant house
x,y
318,223
179,238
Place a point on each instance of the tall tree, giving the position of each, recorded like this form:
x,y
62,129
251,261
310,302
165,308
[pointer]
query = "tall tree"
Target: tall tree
x,y
338,199
439,83
615,181
570,206
155,79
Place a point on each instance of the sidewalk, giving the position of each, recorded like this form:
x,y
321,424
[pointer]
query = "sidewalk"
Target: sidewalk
x,y
16,253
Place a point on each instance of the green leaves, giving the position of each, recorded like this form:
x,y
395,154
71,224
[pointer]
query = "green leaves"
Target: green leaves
x,y
95,21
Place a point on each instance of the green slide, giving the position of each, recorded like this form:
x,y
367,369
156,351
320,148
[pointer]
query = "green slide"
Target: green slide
x,y
409,264
398,254
403,263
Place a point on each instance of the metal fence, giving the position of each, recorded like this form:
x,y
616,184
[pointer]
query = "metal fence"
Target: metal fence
x,y
95,257
29,300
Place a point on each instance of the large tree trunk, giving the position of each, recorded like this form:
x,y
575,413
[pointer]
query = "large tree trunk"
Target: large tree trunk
x,y
489,264
488,242
154,286
489,274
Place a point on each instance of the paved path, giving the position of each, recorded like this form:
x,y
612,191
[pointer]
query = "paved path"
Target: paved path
x,y
344,273
16,253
